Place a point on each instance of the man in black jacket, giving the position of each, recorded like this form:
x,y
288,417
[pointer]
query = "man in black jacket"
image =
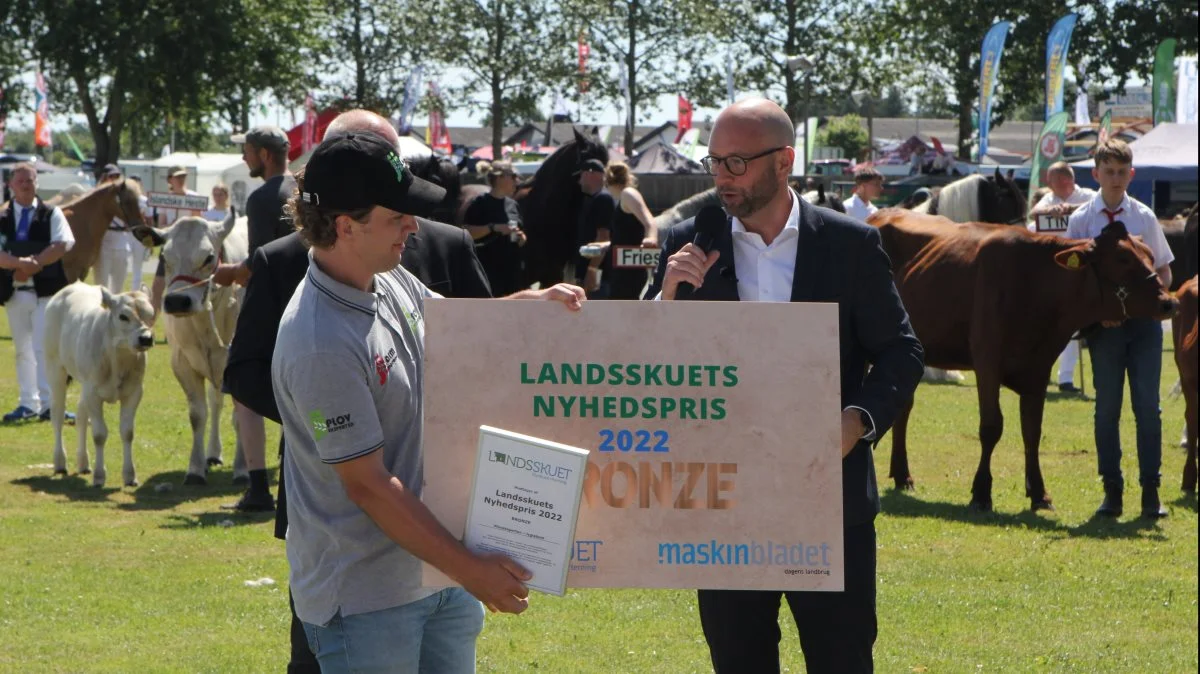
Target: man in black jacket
x,y
441,256
784,249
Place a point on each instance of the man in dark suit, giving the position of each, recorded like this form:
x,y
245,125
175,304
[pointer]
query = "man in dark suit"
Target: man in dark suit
x,y
773,246
441,256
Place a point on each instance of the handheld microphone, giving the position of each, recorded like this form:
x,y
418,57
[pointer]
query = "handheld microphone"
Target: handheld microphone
x,y
709,223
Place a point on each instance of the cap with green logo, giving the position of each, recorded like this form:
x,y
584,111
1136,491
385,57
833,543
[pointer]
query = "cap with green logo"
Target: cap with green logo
x,y
361,170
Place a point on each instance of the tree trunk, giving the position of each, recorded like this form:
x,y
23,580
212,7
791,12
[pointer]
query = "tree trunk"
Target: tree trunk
x,y
497,89
360,65
791,83
631,76
963,81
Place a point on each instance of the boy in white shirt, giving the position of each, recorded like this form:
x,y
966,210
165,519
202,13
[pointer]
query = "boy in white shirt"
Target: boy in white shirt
x,y
1133,345
868,186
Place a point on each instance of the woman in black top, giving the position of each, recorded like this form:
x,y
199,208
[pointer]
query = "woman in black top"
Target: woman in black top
x,y
632,225
494,222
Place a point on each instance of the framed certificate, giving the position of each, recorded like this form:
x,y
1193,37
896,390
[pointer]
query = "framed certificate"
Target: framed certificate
x,y
524,503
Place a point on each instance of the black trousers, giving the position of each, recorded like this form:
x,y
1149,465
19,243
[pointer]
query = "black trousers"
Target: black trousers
x,y
837,629
302,660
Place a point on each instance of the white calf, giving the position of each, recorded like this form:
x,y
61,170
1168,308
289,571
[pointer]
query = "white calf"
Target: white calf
x,y
100,339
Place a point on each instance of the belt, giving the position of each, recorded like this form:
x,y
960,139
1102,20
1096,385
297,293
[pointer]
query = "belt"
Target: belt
x,y
116,229
29,288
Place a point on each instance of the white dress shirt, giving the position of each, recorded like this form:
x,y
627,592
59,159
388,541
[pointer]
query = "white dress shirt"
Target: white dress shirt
x,y
1089,220
1080,196
765,272
60,230
859,208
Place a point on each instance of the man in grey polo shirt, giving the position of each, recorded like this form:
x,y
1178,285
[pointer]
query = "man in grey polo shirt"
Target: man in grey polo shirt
x,y
347,378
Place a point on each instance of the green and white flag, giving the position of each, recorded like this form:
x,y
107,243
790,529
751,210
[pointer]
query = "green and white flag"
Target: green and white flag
x,y
1163,89
1050,148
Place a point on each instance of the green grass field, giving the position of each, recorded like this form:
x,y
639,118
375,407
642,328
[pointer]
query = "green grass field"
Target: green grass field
x,y
138,580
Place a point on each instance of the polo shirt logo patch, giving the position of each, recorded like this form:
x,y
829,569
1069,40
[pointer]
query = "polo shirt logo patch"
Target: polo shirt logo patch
x,y
323,426
414,319
383,365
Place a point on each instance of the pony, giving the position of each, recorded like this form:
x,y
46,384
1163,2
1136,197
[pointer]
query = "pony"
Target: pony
x,y
89,217
993,199
818,197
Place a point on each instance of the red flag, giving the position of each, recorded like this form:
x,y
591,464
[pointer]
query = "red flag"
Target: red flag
x,y
310,124
437,135
584,52
41,123
685,117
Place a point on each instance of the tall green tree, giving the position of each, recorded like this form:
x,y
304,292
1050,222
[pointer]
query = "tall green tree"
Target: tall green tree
x,y
513,52
661,46
369,47
850,46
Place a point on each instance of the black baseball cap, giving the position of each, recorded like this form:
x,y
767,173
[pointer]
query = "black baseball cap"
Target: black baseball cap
x,y
112,170
362,170
590,165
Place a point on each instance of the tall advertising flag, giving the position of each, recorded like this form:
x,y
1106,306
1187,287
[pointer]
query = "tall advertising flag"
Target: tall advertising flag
x,y
1056,62
1050,149
41,119
584,52
1163,89
989,67
1105,131
1187,95
412,94
310,124
685,117
437,136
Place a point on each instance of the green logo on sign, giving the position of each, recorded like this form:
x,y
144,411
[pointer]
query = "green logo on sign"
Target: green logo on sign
x,y
320,428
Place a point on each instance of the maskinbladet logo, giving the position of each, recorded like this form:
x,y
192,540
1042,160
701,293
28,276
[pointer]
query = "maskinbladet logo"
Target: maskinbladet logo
x,y
814,558
541,469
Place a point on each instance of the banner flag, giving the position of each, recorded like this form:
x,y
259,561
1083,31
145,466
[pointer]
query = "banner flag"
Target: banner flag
x,y
1049,150
989,67
1056,62
1163,89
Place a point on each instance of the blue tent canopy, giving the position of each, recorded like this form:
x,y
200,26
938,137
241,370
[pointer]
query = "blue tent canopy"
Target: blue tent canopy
x,y
1167,153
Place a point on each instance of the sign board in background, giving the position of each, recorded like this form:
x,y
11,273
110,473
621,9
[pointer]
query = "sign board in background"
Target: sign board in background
x,y
627,257
190,202
1052,223
711,466
1135,102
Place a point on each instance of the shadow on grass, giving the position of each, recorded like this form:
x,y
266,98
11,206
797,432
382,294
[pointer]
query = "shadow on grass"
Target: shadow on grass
x,y
74,487
1185,501
1056,396
223,518
164,491
899,503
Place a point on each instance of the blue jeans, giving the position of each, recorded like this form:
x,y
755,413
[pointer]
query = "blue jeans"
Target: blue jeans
x,y
434,635
1134,346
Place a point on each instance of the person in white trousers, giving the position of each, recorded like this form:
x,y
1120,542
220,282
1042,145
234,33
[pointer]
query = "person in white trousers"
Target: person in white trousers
x,y
1064,197
33,238
113,262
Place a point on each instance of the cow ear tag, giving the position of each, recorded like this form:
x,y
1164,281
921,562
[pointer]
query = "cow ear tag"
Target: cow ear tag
x,y
1073,261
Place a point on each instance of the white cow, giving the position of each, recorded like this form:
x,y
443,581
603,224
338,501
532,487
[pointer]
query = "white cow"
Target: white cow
x,y
200,321
100,339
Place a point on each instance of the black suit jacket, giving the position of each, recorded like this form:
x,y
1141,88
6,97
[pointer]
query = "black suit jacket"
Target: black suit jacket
x,y
838,259
441,256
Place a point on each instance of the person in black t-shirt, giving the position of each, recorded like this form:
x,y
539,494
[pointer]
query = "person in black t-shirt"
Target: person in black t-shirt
x,y
494,223
594,219
632,225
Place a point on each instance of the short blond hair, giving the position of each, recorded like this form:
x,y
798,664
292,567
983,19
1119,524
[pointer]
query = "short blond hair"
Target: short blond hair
x,y
1114,150
1060,168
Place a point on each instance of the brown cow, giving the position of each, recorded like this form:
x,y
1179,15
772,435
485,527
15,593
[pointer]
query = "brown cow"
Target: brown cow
x,y
90,216
1004,302
1185,328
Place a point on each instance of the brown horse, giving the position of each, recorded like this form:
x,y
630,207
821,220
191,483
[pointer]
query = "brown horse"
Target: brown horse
x,y
90,216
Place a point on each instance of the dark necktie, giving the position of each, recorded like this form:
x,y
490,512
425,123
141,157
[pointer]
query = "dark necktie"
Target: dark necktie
x,y
1112,215
23,226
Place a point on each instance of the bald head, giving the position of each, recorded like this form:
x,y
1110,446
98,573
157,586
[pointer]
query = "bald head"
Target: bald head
x,y
360,121
760,117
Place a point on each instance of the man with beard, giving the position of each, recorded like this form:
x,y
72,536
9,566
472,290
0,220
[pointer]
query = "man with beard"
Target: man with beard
x,y
784,249
265,151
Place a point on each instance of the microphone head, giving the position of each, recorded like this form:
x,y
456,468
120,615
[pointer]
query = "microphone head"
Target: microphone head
x,y
709,222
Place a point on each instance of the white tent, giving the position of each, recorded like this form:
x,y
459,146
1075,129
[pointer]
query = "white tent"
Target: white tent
x,y
205,169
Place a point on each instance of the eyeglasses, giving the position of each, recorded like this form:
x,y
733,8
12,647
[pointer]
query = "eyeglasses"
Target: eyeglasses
x,y
734,163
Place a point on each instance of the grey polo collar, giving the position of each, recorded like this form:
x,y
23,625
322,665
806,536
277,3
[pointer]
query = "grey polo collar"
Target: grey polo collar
x,y
340,293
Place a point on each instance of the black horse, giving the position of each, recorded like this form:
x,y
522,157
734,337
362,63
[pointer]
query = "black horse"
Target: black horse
x,y
550,203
